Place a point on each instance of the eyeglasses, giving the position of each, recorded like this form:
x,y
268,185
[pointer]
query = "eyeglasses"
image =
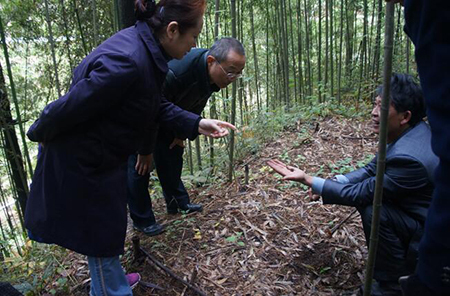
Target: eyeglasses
x,y
230,75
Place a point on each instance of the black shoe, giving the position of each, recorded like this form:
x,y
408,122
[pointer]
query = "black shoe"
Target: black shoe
x,y
189,208
151,230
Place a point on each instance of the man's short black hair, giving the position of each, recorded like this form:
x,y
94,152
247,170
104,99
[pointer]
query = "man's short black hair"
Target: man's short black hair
x,y
406,95
223,46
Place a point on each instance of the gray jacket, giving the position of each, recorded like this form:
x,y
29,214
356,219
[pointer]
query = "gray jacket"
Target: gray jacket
x,y
408,178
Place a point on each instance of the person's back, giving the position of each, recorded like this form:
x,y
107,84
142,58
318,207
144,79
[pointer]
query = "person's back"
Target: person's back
x,y
123,120
415,146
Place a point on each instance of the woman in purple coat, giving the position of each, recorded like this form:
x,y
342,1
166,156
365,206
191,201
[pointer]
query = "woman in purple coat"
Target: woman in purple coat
x,y
78,196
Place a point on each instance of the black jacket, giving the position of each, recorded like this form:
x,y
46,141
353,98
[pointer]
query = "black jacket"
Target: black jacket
x,y
187,85
408,179
427,25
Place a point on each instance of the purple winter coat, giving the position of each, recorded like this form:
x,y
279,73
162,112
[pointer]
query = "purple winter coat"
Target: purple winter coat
x,y
78,195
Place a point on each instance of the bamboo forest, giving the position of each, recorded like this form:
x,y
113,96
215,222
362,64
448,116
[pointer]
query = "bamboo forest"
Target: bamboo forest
x,y
314,70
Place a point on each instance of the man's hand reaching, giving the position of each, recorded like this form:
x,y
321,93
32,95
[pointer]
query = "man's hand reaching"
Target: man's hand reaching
x,y
290,173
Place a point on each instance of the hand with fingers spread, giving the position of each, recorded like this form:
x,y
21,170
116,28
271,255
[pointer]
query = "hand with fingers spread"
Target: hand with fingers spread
x,y
214,128
290,173
177,142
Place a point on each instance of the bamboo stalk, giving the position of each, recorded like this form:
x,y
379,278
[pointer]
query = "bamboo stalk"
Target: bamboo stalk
x,y
15,101
233,100
80,28
52,46
385,101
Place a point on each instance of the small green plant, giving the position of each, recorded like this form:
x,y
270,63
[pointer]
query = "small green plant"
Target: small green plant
x,y
365,161
235,238
342,166
324,269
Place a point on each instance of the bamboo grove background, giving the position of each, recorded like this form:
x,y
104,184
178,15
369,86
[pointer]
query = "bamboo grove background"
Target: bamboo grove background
x,y
314,53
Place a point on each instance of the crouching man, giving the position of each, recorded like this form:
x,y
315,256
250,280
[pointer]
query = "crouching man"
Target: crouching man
x,y
407,185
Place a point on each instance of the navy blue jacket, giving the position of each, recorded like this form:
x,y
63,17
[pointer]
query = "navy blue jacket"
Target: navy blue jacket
x,y
408,179
78,194
427,23
188,85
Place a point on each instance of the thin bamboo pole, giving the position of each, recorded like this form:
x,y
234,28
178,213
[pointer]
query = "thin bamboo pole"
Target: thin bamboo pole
x,y
15,101
52,46
233,100
80,28
385,101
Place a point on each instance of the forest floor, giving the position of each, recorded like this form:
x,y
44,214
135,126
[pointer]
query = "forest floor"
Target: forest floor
x,y
267,237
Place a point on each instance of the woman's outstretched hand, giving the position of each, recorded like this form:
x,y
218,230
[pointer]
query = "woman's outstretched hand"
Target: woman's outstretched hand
x,y
214,128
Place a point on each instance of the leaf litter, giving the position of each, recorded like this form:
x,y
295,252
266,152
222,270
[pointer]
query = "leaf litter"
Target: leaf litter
x,y
267,237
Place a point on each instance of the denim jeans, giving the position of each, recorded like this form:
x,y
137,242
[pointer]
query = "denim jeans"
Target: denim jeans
x,y
108,277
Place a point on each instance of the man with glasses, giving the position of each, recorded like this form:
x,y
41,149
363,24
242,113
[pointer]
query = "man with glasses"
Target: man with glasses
x,y
189,84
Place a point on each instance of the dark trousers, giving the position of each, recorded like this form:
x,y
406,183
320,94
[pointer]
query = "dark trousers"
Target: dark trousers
x,y
398,242
169,165
139,201
427,23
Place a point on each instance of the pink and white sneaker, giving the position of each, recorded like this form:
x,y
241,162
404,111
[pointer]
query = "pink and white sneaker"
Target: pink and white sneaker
x,y
133,279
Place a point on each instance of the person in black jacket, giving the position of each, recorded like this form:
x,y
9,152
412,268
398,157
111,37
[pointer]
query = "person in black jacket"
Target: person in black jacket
x,y
189,84
407,186
427,23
